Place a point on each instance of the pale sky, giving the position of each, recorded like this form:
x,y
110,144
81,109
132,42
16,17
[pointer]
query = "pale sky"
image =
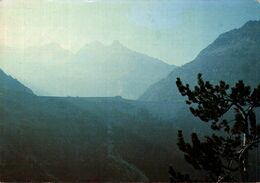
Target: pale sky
x,y
171,30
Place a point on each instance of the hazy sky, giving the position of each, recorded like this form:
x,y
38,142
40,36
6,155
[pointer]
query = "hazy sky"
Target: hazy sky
x,y
173,30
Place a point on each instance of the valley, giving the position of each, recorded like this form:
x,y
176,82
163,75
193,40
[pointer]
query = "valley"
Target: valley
x,y
63,135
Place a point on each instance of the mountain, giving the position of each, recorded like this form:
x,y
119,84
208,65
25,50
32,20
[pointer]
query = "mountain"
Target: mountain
x,y
86,139
115,70
7,84
95,70
36,67
233,56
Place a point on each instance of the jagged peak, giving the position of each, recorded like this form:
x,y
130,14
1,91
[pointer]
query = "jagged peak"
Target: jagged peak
x,y
116,43
252,23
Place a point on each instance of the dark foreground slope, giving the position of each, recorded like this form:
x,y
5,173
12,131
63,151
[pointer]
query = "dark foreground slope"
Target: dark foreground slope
x,y
45,140
82,139
232,56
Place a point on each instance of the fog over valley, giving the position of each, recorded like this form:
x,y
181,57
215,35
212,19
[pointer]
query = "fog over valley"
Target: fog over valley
x,y
129,91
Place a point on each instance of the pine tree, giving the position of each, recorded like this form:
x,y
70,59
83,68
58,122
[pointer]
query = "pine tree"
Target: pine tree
x,y
224,153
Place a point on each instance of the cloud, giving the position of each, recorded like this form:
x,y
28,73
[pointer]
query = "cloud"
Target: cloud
x,y
258,1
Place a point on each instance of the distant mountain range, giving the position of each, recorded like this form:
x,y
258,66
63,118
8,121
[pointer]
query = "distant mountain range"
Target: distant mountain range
x,y
95,70
106,139
233,56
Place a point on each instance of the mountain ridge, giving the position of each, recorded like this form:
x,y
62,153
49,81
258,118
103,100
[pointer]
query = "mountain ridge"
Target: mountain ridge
x,y
10,84
232,56
95,70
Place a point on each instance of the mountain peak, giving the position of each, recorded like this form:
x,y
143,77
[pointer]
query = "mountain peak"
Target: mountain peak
x,y
96,44
92,47
117,44
250,27
252,23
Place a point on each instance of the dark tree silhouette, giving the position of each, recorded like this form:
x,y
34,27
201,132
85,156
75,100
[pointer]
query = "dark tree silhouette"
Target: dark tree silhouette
x,y
223,155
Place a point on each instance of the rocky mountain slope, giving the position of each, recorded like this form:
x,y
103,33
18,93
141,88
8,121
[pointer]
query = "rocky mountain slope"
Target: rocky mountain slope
x,y
7,83
233,56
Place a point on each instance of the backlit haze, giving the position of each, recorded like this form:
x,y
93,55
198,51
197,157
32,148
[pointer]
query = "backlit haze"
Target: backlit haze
x,y
173,31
